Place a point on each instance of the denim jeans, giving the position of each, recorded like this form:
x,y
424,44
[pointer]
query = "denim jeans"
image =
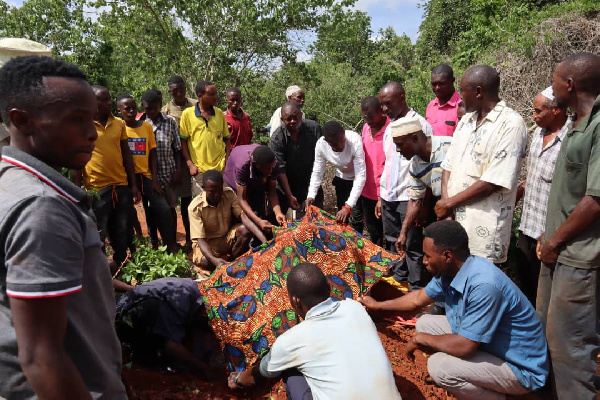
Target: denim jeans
x,y
158,212
112,208
567,304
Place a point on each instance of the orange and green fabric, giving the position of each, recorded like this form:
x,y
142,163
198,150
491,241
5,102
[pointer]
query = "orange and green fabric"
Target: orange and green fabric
x,y
247,300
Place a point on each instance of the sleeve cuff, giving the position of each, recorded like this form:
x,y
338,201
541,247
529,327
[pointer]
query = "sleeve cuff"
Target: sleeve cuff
x,y
474,336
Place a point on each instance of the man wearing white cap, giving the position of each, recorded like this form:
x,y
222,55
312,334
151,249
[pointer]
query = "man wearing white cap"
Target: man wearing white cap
x,y
553,124
293,94
426,154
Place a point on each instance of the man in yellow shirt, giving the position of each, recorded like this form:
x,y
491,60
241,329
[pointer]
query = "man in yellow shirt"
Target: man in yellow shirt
x,y
110,174
204,135
142,145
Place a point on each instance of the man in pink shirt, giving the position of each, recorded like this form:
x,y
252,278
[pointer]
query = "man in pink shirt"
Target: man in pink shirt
x,y
372,137
441,111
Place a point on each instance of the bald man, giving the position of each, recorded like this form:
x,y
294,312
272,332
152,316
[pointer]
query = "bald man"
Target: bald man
x,y
482,166
292,94
570,248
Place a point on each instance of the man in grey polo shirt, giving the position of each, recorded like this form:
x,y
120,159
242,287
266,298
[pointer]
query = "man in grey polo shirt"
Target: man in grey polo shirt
x,y
57,337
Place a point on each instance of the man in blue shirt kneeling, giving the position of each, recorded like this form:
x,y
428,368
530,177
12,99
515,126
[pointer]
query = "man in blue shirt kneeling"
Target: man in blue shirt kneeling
x,y
490,343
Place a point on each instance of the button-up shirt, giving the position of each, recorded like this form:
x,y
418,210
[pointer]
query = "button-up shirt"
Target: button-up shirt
x,y
209,222
485,306
167,144
374,159
443,118
540,168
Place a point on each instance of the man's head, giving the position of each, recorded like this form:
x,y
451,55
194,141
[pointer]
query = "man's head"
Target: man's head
x,y
207,93
176,87
49,109
212,183
127,107
442,82
578,74
393,99
370,108
480,84
295,95
307,287
445,248
546,112
103,101
334,135
408,136
151,103
291,116
263,159
234,99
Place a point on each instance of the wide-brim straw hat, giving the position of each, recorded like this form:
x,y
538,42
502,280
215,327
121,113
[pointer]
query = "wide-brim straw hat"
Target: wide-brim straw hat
x,y
16,47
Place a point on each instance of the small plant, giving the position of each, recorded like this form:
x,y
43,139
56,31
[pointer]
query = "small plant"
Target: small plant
x,y
147,264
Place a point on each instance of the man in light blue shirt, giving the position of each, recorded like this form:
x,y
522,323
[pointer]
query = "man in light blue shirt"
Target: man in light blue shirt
x,y
490,343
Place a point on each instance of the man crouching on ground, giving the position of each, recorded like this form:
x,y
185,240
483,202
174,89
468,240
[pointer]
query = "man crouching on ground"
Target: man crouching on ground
x,y
490,343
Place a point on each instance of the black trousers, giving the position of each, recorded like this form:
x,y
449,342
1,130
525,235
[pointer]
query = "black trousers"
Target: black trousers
x,y
364,214
528,266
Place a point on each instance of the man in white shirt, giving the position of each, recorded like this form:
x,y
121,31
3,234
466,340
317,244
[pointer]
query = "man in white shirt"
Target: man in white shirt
x,y
482,166
335,353
345,151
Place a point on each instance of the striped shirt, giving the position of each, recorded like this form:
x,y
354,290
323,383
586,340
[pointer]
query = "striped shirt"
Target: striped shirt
x,y
540,168
424,174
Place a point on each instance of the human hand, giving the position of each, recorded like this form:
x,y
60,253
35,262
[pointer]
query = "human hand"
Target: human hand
x,y
538,246
293,202
232,380
378,209
342,216
280,219
193,169
443,209
265,225
308,202
137,196
411,347
549,252
367,301
157,188
218,261
401,242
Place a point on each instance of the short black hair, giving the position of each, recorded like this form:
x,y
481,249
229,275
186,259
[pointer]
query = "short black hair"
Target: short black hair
x,y
449,235
443,69
175,80
263,155
332,129
201,87
22,81
291,104
124,97
234,90
212,175
370,102
307,282
151,96
584,68
394,86
485,76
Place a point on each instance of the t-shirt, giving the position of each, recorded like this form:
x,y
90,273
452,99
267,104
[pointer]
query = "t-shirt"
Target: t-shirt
x,y
485,306
141,140
50,248
577,174
338,351
106,166
240,170
443,118
374,159
206,139
209,222
492,152
349,165
240,130
428,174
175,111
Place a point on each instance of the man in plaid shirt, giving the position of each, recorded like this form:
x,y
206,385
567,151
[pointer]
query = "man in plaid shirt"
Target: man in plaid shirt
x,y
553,125
168,153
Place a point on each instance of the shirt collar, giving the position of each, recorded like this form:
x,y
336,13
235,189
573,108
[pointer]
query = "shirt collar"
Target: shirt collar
x,y
460,280
45,173
198,113
453,102
227,112
561,134
493,115
323,308
586,120
109,121
161,117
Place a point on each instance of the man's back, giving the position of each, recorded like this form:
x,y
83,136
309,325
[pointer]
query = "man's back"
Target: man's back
x,y
338,350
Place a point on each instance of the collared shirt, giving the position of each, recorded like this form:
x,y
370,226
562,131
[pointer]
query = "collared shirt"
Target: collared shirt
x,y
167,144
540,168
206,139
175,111
395,182
349,165
443,118
106,166
240,170
492,152
209,222
51,248
374,159
428,174
485,306
240,129
276,121
141,141
296,159
319,348
577,174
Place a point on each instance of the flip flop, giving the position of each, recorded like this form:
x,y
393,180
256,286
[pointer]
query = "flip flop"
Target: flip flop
x,y
401,321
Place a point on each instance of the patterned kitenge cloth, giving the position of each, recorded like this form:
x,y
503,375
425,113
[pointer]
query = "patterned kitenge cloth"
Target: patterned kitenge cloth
x,y
247,300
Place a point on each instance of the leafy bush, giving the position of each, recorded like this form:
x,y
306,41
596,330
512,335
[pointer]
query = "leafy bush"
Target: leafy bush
x,y
148,264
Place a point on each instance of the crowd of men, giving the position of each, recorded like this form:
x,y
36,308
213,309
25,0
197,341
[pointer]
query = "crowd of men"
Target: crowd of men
x,y
458,165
